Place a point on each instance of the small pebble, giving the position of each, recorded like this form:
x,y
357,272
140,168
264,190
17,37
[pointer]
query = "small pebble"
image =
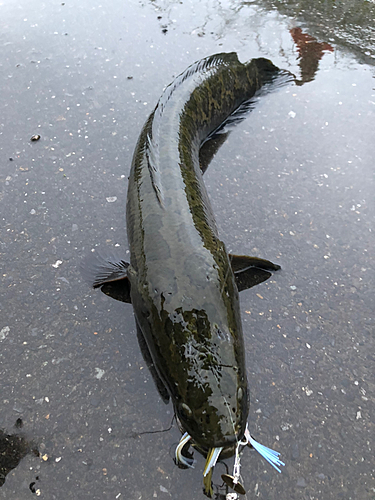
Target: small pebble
x,y
295,451
4,332
19,423
301,483
99,373
35,137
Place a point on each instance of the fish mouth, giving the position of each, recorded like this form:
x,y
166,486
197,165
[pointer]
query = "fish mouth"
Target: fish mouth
x,y
227,444
187,461
184,459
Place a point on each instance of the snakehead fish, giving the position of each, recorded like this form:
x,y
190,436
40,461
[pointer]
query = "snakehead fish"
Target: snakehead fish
x,y
181,281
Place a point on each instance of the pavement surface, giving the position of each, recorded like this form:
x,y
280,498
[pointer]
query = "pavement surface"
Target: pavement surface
x,y
294,183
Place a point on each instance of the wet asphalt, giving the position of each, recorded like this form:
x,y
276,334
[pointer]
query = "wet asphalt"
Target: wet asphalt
x,y
79,414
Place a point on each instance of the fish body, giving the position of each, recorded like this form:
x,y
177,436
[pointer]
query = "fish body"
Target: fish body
x,y
182,285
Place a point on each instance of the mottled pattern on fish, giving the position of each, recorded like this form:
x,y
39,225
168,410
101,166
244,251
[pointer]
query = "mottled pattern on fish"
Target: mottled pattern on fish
x,y
182,285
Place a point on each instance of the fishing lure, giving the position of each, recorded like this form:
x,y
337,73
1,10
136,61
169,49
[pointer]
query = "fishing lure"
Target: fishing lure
x,y
232,481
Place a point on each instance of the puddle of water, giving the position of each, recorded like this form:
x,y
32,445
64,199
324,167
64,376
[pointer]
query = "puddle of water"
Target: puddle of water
x,y
292,183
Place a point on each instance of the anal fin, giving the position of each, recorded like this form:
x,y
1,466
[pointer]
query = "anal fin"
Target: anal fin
x,y
209,149
164,394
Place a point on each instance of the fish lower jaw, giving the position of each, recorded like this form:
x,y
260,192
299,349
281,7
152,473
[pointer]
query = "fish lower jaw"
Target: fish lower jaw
x,y
203,445
227,451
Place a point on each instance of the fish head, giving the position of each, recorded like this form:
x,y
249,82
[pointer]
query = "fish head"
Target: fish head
x,y
214,402
198,351
217,422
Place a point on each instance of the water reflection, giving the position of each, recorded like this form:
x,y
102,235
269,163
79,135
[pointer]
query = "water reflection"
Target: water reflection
x,y
310,52
13,448
325,430
347,24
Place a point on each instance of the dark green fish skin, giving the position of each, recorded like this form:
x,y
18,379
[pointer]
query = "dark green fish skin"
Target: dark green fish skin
x,y
182,285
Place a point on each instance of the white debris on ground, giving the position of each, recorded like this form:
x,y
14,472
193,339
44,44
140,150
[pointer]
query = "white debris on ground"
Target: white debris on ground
x,y
99,373
4,332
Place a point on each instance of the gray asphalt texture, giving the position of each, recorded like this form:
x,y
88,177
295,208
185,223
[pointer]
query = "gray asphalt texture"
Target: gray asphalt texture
x,y
294,183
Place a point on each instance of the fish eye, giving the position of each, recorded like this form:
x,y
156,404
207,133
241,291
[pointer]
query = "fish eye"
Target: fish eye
x,y
185,410
239,394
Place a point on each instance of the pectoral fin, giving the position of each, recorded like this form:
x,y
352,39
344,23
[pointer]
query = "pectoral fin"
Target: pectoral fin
x,y
163,391
250,271
118,290
109,272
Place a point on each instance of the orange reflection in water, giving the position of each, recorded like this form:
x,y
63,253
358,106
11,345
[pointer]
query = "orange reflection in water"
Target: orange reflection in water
x,y
310,52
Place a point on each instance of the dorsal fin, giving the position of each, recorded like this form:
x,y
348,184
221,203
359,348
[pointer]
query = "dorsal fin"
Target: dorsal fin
x,y
276,80
202,66
152,152
152,146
